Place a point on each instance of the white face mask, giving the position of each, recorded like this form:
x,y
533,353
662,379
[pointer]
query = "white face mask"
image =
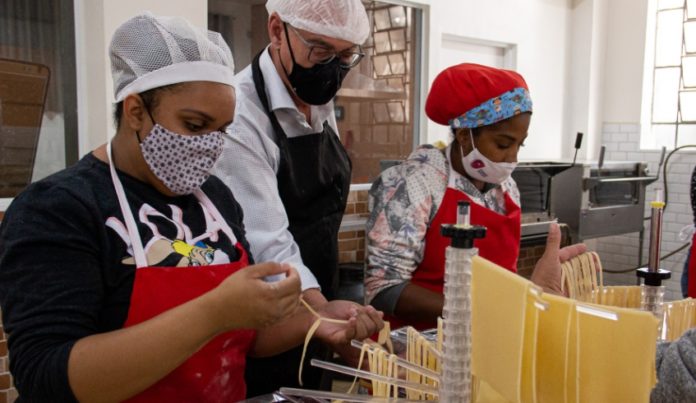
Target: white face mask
x,y
481,168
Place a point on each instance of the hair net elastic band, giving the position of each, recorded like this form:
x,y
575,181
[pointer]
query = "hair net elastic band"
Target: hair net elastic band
x,y
179,73
505,106
357,37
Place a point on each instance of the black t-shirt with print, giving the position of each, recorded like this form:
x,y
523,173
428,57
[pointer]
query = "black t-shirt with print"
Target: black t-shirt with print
x,y
66,272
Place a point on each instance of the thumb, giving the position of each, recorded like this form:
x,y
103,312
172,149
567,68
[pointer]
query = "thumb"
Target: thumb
x,y
268,269
553,241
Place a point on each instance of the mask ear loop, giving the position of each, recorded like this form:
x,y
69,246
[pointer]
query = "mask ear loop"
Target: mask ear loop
x,y
292,54
473,145
147,109
471,136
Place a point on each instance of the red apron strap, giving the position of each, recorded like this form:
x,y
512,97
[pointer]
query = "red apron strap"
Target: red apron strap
x,y
692,268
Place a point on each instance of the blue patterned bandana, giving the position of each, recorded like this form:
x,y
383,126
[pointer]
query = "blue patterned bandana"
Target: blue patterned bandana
x,y
494,110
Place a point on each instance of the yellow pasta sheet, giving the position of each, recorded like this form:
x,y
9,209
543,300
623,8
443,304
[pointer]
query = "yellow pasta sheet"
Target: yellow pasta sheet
x,y
616,357
568,353
529,353
555,382
498,311
486,394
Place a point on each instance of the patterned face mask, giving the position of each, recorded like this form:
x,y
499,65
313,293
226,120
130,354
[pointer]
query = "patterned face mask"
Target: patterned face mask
x,y
182,163
479,167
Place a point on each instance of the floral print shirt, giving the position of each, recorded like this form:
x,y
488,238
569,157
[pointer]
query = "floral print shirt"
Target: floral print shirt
x,y
403,201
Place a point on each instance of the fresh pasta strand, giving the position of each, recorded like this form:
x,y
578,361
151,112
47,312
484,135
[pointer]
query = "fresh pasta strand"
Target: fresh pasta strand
x,y
421,352
383,338
679,317
582,279
311,332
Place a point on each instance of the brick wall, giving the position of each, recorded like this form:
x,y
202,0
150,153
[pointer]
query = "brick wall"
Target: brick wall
x,y
351,243
622,143
529,255
369,141
528,258
376,97
7,392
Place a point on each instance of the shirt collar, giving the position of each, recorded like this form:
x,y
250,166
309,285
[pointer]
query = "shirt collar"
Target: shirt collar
x,y
278,95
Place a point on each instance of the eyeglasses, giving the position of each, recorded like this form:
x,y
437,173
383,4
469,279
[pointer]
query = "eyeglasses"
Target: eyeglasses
x,y
320,54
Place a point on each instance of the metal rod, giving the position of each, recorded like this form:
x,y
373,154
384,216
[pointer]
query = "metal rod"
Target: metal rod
x,y
656,211
641,242
342,369
405,364
463,216
335,396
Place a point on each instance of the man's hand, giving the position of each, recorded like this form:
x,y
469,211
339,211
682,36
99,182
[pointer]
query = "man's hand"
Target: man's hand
x,y
363,322
547,272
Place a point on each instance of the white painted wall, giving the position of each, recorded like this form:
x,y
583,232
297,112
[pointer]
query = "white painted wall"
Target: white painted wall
x,y
241,16
605,78
95,22
624,60
538,29
577,95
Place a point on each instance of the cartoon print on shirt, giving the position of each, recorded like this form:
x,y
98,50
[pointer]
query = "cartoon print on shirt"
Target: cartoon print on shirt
x,y
199,254
181,250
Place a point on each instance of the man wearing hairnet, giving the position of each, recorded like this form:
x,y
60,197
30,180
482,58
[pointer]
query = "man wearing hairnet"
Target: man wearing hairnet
x,y
283,159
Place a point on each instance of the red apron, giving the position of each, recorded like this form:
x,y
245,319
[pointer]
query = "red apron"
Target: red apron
x,y
692,268
215,373
501,244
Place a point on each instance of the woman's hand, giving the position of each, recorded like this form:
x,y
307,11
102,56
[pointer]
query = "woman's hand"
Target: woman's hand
x,y
244,300
547,272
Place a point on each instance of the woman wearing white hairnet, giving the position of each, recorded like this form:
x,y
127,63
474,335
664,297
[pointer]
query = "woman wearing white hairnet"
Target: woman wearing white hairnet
x,y
125,276
283,159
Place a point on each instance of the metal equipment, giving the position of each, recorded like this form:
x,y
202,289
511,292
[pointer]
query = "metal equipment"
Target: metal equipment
x,y
653,292
593,199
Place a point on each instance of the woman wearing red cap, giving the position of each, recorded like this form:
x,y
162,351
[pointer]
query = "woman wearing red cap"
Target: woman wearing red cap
x,y
488,111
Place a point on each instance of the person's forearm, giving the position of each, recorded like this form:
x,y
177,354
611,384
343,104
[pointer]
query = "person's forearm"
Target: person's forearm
x,y
289,332
419,304
117,365
314,297
284,335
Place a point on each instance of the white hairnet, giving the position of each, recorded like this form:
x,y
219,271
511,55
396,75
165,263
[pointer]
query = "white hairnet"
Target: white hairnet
x,y
340,19
148,52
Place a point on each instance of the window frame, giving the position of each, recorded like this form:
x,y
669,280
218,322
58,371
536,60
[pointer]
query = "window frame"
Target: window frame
x,y
67,31
649,139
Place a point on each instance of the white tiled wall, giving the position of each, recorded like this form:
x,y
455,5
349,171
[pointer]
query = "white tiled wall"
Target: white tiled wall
x,y
622,143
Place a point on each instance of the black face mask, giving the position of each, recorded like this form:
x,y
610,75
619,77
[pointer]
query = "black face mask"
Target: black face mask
x,y
318,84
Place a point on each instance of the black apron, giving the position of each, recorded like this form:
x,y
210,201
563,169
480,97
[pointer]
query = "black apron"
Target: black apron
x,y
313,183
